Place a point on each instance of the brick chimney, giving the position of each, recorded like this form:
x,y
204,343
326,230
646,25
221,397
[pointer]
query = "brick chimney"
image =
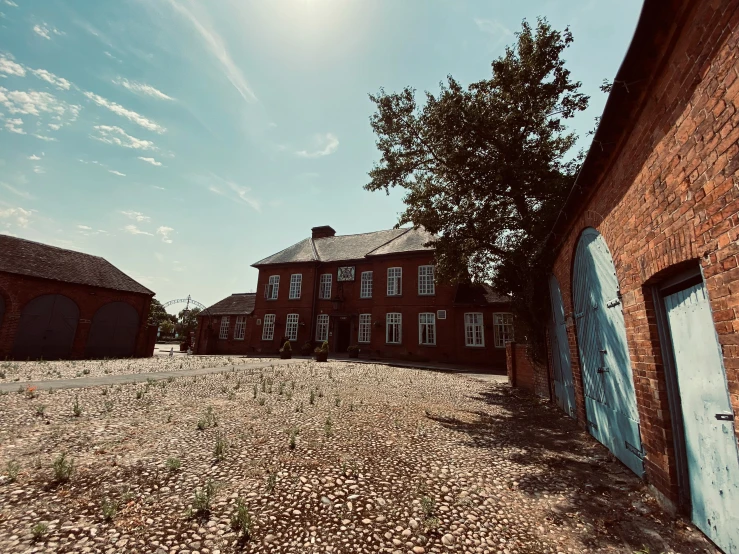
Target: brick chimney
x,y
323,231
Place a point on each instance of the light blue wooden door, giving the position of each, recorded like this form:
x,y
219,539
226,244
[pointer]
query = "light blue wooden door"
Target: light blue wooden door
x,y
608,385
564,386
710,443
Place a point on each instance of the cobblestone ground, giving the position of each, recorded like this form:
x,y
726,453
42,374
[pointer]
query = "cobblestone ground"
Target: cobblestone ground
x,y
70,369
335,457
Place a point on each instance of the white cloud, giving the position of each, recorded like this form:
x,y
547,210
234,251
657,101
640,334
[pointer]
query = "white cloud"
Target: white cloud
x,y
34,157
38,169
54,126
37,103
114,172
11,3
42,137
117,136
239,193
151,161
142,88
17,216
128,114
215,44
15,126
10,67
325,144
494,28
49,77
84,227
132,229
21,193
45,31
164,233
138,216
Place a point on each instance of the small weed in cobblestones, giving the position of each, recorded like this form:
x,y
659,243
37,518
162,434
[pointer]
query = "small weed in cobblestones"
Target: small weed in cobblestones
x,y
220,448
242,522
208,419
261,400
63,468
427,506
337,401
39,531
139,394
76,408
86,371
104,392
12,468
109,509
328,427
40,410
108,406
255,392
312,399
293,438
202,501
271,481
31,393
173,464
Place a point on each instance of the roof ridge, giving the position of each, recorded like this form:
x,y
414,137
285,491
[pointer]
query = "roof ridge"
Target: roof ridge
x,y
367,233
391,240
55,247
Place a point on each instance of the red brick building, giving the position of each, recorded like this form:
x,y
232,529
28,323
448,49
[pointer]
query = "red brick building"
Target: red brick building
x,y
374,290
645,288
226,326
57,303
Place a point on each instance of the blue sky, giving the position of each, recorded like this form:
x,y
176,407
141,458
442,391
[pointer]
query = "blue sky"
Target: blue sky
x,y
184,140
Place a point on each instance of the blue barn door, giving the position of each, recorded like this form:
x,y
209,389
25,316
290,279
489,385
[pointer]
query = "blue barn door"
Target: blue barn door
x,y
564,386
710,443
608,386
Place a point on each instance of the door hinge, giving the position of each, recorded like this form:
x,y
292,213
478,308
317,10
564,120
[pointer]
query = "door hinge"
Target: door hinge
x,y
579,315
725,417
612,303
591,424
602,370
634,450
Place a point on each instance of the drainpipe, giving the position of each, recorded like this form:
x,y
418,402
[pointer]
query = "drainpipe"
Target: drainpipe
x,y
313,303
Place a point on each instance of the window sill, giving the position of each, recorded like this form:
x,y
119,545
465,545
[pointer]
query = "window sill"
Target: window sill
x,y
427,294
393,343
423,344
474,346
298,298
242,338
393,295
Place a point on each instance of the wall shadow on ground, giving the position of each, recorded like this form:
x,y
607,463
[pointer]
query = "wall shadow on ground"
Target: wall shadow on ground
x,y
598,491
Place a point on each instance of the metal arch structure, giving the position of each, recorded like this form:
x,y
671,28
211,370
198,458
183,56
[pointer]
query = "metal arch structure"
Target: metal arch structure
x,y
187,301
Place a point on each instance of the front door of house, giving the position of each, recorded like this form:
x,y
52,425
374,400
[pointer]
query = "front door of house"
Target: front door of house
x,y
343,334
710,442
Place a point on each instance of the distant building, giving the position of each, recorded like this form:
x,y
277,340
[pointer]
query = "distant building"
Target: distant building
x,y
374,290
57,303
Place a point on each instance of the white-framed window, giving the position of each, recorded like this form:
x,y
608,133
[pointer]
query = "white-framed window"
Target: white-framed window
x,y
474,333
394,281
225,320
322,327
268,327
503,326
240,327
271,288
324,290
394,328
296,283
427,328
291,327
365,287
365,328
426,280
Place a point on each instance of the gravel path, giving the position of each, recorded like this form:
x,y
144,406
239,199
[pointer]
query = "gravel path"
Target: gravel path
x,y
336,457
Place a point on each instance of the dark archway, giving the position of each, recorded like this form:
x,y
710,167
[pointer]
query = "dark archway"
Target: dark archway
x,y
46,329
2,310
113,332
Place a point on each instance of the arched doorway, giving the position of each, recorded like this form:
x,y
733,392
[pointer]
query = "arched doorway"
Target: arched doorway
x,y
564,386
113,332
2,310
608,385
46,329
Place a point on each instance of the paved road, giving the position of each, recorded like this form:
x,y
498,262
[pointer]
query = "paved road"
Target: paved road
x,y
82,382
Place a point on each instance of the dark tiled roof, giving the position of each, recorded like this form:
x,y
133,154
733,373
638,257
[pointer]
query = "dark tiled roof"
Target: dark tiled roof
x,y
25,257
478,295
239,303
351,247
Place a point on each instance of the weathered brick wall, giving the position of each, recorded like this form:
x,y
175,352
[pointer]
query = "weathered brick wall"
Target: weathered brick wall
x,y
524,372
670,196
18,290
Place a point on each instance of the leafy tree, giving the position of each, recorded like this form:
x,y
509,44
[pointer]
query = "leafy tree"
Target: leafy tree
x,y
486,168
167,328
188,321
157,313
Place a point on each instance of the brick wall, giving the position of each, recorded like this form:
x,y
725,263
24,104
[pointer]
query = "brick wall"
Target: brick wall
x,y
524,372
670,197
18,290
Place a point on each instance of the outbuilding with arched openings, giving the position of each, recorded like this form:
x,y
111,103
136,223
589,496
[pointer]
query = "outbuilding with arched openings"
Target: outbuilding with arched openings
x,y
57,303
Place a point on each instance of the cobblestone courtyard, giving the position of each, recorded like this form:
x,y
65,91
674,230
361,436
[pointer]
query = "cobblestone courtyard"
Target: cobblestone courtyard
x,y
335,457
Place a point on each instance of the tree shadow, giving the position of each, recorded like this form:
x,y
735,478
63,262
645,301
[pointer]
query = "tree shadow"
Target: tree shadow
x,y
596,491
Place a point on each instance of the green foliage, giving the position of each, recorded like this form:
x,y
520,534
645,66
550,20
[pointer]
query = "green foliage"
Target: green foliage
x,y
242,522
271,481
293,438
286,347
173,464
39,531
487,168
76,408
12,468
322,348
208,420
203,500
157,313
219,451
63,468
109,509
